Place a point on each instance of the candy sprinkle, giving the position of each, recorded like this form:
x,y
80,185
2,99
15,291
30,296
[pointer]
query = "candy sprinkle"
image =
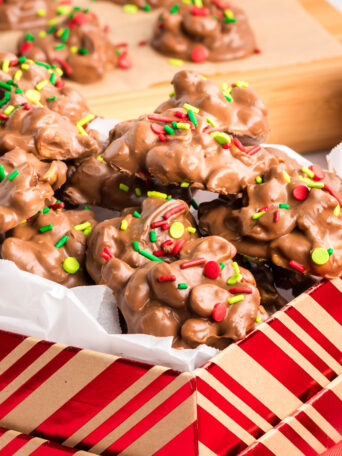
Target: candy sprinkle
x,y
176,230
153,236
192,117
173,211
167,278
13,175
236,290
330,251
157,194
124,225
178,246
44,229
188,107
257,215
182,286
135,246
212,270
191,229
2,173
124,187
337,209
284,206
71,265
82,226
192,263
149,256
136,214
276,216
286,177
219,311
295,265
320,256
235,299
61,242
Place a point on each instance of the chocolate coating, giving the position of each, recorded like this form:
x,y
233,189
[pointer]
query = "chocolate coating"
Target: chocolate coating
x,y
283,234
58,97
245,116
23,195
204,33
83,49
22,14
143,3
35,252
191,156
110,235
187,313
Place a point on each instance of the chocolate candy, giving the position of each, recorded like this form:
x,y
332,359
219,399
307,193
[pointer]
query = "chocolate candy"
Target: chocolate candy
x,y
79,46
278,220
26,186
140,233
177,299
215,31
52,245
25,14
235,108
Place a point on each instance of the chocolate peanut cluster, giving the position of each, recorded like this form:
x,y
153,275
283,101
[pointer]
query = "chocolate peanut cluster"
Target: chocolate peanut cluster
x,y
26,14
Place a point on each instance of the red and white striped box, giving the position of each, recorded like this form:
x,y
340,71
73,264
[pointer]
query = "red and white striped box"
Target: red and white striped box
x,y
278,392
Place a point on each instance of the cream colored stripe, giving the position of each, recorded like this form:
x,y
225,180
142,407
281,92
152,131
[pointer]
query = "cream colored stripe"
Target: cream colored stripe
x,y
310,342
7,437
280,445
165,430
83,453
287,348
204,450
31,370
115,405
338,284
321,422
57,390
143,411
19,351
305,434
311,310
234,400
225,420
29,447
257,381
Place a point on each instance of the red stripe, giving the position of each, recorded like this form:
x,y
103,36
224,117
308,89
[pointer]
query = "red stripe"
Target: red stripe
x,y
229,409
52,449
313,332
242,393
9,342
315,430
185,443
297,440
330,406
257,449
14,445
265,352
26,360
36,380
330,298
303,349
217,437
109,384
127,410
150,420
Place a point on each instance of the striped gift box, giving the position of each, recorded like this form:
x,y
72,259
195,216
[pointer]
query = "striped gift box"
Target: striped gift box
x,y
277,392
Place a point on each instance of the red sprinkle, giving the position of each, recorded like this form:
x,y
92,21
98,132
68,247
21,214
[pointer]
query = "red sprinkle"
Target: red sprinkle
x,y
257,51
191,263
125,62
199,54
332,193
180,114
157,224
173,211
219,311
157,129
142,43
60,84
297,266
264,209
60,205
212,270
65,66
3,116
300,192
166,243
80,19
319,172
276,216
26,46
237,290
254,150
158,253
162,138
166,226
199,11
221,5
178,246
239,145
106,254
226,146
167,278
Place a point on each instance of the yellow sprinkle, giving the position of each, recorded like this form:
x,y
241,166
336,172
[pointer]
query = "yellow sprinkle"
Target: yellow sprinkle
x,y
87,231
157,194
63,9
9,110
25,66
138,191
229,13
73,49
17,75
42,34
100,158
187,2
211,122
234,279
5,66
236,298
191,229
188,107
60,32
41,13
308,172
130,8
286,177
81,130
53,21
185,184
124,225
337,210
24,221
203,77
42,84
82,226
198,3
257,215
30,60
171,94
236,267
59,71
241,84
183,126
176,230
176,62
258,320
88,118
32,95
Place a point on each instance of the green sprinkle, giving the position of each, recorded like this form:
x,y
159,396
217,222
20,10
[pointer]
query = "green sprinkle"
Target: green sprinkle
x,y
71,265
86,207
65,34
44,229
284,206
2,173
257,215
22,59
194,204
182,286
61,242
13,175
192,117
150,256
330,251
83,51
59,46
174,9
146,8
19,91
136,214
51,98
135,246
153,236
169,130
29,37
45,65
222,265
53,78
124,187
46,210
5,86
236,298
